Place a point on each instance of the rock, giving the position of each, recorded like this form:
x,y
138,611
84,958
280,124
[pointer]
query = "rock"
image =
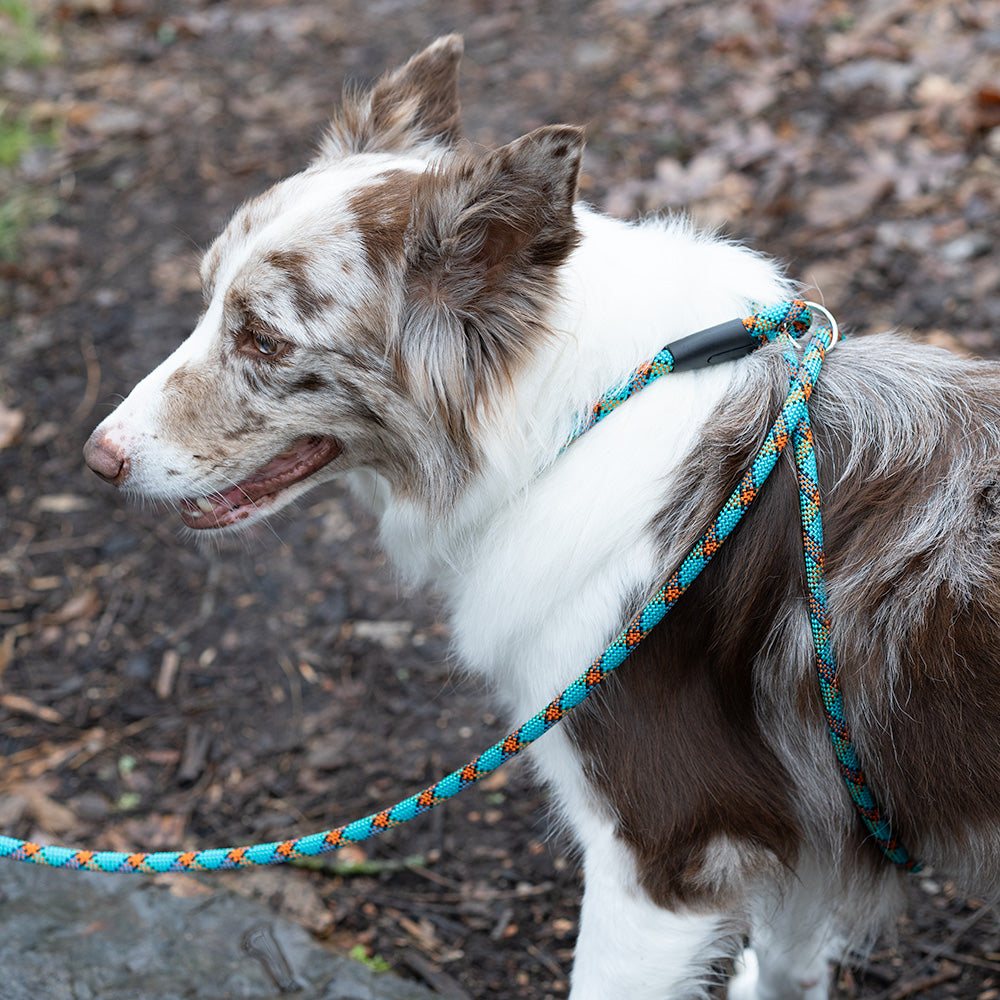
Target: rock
x,y
967,247
71,935
892,78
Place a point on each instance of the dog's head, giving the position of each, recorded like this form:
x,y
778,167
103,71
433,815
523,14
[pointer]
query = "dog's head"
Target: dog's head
x,y
365,313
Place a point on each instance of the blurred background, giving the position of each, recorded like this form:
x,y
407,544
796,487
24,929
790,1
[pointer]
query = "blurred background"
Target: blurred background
x,y
157,695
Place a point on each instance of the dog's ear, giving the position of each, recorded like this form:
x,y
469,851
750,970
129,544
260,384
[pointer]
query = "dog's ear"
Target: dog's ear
x,y
415,104
488,232
482,218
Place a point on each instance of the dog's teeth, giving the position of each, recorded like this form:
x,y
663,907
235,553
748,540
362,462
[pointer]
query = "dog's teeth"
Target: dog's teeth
x,y
204,505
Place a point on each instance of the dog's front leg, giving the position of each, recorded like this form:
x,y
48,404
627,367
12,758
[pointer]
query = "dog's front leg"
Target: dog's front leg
x,y
629,947
795,934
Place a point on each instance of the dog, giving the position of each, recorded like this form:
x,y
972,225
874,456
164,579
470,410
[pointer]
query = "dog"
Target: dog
x,y
428,320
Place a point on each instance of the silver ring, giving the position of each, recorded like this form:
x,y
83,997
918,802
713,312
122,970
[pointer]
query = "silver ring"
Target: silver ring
x,y
834,326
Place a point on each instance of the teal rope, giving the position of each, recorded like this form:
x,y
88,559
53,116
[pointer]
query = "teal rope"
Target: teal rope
x,y
826,666
792,424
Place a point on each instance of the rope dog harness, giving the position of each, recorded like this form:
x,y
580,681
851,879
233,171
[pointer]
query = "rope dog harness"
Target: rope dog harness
x,y
717,344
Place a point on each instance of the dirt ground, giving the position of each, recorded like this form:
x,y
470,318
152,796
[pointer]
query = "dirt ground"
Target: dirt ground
x,y
155,695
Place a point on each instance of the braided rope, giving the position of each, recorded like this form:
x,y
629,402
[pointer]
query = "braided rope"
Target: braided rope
x,y
762,326
826,666
792,423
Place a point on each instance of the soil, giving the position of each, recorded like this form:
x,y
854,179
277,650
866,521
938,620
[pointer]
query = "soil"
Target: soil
x,y
154,694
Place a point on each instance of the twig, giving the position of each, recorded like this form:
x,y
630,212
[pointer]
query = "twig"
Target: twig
x,y
8,642
110,614
25,706
956,956
196,743
294,687
93,387
948,970
935,953
435,978
168,673
546,960
92,747
854,963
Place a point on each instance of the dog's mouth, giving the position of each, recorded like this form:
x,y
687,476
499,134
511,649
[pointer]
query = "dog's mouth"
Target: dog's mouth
x,y
259,491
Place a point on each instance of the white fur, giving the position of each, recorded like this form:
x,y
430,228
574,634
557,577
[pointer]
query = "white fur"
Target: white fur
x,y
510,570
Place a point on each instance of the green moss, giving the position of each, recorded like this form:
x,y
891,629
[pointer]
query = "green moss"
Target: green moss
x,y
18,134
374,962
21,43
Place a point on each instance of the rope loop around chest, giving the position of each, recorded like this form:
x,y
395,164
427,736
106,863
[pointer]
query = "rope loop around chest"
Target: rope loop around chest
x,y
782,322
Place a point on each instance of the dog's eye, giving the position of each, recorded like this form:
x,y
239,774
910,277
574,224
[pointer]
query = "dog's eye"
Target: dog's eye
x,y
265,345
252,342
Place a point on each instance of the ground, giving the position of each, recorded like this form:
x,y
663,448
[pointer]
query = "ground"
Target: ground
x,y
154,694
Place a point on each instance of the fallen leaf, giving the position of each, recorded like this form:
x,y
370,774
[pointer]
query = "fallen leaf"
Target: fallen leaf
x,y
158,831
12,809
844,204
11,425
62,503
988,108
80,607
290,892
937,89
53,817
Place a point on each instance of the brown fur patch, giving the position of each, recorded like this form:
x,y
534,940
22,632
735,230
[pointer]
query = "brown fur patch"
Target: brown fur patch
x,y
677,745
382,211
293,266
919,544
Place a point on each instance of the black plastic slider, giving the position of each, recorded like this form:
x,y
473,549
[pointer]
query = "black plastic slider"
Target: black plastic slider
x,y
725,342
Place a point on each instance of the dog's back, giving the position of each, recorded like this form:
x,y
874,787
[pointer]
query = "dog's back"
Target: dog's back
x,y
723,704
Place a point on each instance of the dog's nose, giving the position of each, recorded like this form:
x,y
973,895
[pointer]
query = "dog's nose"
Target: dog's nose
x,y
106,459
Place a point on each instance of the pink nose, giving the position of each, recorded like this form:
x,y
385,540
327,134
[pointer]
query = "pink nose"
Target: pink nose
x,y
106,459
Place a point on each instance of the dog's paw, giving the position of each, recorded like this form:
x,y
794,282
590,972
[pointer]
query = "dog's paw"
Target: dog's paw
x,y
747,983
743,985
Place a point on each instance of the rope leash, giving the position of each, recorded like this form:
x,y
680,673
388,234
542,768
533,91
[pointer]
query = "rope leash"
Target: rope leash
x,y
792,424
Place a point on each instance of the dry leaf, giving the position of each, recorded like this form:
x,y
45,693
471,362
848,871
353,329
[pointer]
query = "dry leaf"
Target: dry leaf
x,y
158,831
80,607
53,817
290,892
62,503
11,425
988,108
12,809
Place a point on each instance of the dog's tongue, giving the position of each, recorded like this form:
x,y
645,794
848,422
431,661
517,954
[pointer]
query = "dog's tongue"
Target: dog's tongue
x,y
225,507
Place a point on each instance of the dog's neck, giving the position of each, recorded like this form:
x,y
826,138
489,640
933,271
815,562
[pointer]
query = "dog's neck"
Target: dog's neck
x,y
624,292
